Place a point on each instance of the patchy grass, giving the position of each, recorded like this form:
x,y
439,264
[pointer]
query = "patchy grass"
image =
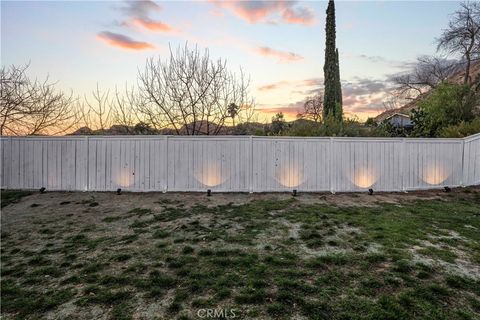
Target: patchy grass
x,y
270,257
9,197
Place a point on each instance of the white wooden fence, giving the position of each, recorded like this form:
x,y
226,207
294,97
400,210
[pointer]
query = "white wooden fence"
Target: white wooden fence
x,y
237,163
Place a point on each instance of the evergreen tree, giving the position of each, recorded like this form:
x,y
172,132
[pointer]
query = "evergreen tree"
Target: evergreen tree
x,y
338,83
331,69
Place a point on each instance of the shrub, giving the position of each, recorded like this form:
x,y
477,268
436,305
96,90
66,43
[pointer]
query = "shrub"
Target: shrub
x,y
448,104
463,129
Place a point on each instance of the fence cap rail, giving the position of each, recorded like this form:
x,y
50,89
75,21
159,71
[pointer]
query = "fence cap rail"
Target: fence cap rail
x,y
472,137
239,137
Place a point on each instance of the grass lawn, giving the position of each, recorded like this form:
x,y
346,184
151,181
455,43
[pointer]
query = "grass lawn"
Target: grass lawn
x,y
167,256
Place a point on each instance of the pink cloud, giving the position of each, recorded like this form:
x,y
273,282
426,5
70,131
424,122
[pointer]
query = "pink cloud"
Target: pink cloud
x,y
312,82
299,15
122,41
284,83
139,13
281,56
273,86
272,12
140,9
151,25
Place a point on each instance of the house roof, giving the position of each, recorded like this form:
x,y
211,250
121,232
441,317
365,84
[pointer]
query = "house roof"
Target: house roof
x,y
398,114
404,110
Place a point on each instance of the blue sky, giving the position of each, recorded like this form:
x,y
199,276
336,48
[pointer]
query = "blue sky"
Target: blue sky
x,y
279,44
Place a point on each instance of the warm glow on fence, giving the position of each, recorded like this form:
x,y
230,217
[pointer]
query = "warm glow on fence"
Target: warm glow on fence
x,y
435,174
210,175
364,177
124,180
289,176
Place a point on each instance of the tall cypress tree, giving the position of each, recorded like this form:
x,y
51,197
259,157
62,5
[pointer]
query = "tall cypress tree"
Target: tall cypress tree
x,y
332,101
339,109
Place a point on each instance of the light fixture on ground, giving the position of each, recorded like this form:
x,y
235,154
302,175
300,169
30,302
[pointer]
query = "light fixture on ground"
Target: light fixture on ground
x,y
370,191
447,189
119,191
294,192
209,193
42,190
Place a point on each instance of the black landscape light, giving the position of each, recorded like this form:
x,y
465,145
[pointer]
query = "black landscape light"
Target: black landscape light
x,y
119,191
294,192
447,189
370,191
209,193
42,190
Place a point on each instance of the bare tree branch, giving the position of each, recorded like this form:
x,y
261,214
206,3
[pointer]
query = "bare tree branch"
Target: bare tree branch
x,y
427,74
191,93
31,107
313,108
463,35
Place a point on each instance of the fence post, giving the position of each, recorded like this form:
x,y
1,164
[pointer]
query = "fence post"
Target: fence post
x,y
165,177
10,164
403,159
332,187
7,181
250,187
463,164
87,186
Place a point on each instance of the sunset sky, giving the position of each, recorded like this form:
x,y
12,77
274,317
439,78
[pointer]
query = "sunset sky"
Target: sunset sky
x,y
279,44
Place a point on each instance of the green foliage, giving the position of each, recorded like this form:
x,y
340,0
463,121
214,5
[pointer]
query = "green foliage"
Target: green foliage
x,y
348,128
331,69
278,124
304,128
463,129
370,122
260,132
331,127
448,104
143,128
386,129
338,86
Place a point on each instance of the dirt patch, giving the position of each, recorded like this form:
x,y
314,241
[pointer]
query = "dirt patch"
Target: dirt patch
x,y
454,259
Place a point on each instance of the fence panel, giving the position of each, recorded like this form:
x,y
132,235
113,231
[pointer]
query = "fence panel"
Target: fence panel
x,y
196,164
281,164
135,164
237,164
471,160
369,163
433,163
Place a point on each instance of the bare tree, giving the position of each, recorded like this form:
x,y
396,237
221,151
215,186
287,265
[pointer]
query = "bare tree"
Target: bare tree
x,y
427,73
191,93
31,107
96,113
392,101
313,108
463,35
124,108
